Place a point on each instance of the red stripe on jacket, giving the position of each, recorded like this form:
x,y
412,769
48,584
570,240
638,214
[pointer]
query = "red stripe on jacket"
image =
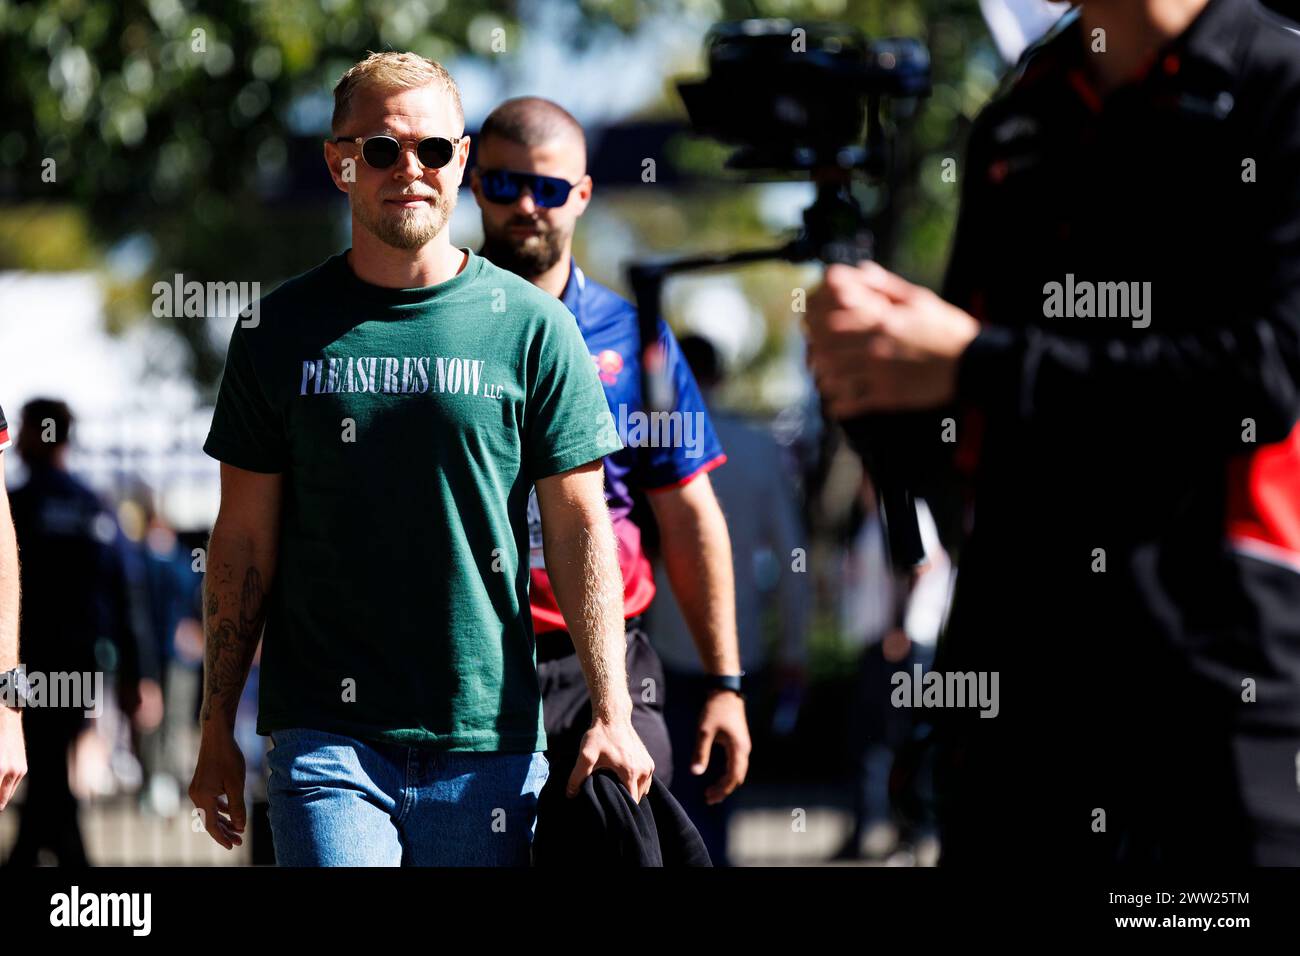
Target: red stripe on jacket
x,y
1263,505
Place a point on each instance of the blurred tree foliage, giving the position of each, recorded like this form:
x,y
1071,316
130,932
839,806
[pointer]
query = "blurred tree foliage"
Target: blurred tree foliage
x,y
175,120
965,70
179,120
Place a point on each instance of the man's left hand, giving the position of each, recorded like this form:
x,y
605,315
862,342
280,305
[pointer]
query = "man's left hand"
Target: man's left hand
x,y
722,721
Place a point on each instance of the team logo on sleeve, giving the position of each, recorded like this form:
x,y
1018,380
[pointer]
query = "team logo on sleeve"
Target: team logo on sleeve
x,y
608,364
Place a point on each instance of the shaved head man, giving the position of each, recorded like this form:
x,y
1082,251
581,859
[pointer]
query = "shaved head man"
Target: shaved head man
x,y
532,186
537,136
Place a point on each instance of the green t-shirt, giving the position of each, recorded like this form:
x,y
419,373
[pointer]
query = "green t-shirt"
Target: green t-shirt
x,y
409,425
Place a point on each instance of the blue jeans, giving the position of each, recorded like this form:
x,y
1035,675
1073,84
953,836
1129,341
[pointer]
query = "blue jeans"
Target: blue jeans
x,y
338,801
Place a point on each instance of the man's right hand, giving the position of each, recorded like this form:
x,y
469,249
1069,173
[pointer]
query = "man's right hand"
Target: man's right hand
x,y
218,787
614,744
878,343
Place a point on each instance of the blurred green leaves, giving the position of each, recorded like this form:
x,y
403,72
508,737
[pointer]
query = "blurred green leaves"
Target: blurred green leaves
x,y
179,119
176,118
144,104
46,237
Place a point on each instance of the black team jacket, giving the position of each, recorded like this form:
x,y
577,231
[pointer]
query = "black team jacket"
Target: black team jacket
x,y
603,827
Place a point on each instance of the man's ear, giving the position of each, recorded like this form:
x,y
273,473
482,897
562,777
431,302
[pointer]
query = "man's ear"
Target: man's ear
x,y
343,170
584,188
462,158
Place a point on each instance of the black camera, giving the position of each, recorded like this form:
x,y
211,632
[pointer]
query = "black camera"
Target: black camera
x,y
795,97
806,99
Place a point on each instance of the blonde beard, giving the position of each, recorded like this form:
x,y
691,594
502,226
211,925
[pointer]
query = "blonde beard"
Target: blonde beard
x,y
411,229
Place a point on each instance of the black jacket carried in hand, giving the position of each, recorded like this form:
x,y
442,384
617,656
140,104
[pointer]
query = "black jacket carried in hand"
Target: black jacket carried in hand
x,y
603,826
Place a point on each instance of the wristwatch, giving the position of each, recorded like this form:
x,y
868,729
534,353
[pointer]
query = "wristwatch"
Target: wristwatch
x,y
15,690
731,682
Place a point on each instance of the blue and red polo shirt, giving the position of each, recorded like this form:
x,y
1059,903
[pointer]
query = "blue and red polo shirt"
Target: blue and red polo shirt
x,y
657,455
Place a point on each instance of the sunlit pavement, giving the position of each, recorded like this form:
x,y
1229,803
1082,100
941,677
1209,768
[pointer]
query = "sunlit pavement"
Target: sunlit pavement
x,y
767,829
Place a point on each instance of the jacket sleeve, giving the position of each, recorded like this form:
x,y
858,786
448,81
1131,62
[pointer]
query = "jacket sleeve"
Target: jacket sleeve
x,y
1245,367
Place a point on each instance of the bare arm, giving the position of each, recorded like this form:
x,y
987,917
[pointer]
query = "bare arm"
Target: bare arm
x,y
582,560
697,556
240,568
8,583
13,758
696,548
241,565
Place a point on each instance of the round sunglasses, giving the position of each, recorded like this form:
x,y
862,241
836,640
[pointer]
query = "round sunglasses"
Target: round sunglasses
x,y
504,186
382,151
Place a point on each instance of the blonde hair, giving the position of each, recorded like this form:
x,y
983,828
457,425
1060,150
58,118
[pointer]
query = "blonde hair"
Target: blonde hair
x,y
392,71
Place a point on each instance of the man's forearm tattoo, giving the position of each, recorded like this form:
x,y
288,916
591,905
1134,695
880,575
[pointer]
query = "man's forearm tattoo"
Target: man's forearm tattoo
x,y
231,642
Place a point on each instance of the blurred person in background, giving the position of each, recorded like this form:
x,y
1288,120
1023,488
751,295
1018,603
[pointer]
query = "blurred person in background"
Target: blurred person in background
x,y
532,186
166,589
880,732
13,754
76,618
758,498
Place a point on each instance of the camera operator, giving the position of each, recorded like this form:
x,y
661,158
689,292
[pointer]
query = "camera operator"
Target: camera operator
x,y
1118,343
532,187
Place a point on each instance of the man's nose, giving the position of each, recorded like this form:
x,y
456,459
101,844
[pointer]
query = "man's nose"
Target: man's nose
x,y
408,166
525,201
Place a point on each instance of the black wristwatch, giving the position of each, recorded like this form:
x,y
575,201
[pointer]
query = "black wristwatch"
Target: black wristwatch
x,y
731,682
15,691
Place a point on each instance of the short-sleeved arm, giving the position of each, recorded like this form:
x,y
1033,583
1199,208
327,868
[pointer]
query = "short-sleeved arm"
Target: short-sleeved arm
x,y
568,419
663,465
246,431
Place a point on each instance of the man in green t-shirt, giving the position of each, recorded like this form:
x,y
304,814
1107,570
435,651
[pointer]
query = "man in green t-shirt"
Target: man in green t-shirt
x,y
380,422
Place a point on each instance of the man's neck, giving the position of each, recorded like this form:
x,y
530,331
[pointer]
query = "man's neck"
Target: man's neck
x,y
383,265
1134,31
554,279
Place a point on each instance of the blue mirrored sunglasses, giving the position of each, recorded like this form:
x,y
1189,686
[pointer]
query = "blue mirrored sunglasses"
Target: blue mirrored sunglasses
x,y
505,185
